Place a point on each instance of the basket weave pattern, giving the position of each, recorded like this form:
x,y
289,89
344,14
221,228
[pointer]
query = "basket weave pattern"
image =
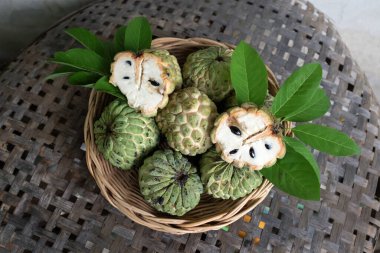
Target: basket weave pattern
x,y
121,188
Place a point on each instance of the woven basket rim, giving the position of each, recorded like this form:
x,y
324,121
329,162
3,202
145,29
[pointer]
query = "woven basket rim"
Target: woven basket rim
x,y
125,196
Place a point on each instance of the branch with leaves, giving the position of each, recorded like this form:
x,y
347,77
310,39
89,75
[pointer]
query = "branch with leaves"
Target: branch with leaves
x,y
300,99
90,66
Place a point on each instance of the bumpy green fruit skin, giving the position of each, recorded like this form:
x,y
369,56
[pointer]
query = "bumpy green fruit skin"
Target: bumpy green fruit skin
x,y
170,183
123,136
209,71
223,180
187,121
173,70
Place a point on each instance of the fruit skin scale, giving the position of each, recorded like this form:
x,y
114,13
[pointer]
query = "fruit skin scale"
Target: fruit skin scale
x,y
257,144
146,79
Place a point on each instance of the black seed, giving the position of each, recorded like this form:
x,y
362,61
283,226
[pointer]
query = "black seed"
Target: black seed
x,y
154,83
234,151
252,152
267,146
235,130
160,200
129,63
126,77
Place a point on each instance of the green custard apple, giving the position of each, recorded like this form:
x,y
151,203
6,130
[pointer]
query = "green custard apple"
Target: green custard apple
x,y
170,183
187,121
209,71
223,180
123,136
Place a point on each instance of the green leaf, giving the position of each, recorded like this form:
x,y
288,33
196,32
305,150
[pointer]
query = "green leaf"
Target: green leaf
x,y
300,148
61,71
138,35
119,38
326,139
297,90
88,40
248,75
83,59
104,86
110,51
83,78
316,107
294,175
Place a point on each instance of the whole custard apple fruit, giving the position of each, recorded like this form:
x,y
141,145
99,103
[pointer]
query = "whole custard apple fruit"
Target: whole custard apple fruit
x,y
123,136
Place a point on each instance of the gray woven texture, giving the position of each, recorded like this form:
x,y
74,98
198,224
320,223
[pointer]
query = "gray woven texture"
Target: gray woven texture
x,y
50,203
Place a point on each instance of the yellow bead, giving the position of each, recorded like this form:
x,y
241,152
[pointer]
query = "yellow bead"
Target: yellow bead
x,y
256,241
242,234
247,218
261,224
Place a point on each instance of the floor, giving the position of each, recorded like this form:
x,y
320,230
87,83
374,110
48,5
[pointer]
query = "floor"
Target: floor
x,y
357,20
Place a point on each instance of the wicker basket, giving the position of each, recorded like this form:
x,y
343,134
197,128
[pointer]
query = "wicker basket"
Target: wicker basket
x,y
121,188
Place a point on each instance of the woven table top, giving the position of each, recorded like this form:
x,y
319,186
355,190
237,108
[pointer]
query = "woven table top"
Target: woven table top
x,y
50,203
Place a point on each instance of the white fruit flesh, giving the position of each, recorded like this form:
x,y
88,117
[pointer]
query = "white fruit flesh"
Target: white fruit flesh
x,y
266,151
245,137
140,79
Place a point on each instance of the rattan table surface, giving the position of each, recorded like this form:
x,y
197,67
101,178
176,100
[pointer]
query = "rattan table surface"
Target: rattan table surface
x,y
50,203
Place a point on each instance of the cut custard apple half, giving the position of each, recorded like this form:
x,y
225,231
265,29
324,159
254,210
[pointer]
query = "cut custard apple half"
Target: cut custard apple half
x,y
146,79
248,136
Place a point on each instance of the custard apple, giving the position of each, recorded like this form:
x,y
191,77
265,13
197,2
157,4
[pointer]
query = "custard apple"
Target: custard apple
x,y
170,183
223,180
248,136
209,71
123,136
146,79
187,121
